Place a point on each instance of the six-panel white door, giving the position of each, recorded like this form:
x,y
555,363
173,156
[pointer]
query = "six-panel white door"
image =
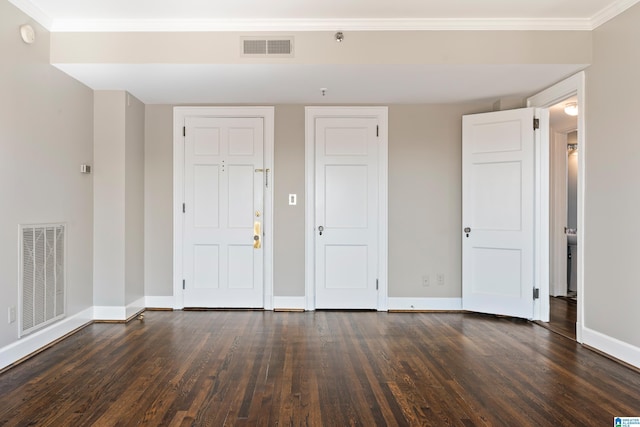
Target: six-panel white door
x,y
346,236
223,265
498,212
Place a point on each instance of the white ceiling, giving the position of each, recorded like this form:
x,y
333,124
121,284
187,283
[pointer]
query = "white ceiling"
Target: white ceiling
x,y
272,83
132,15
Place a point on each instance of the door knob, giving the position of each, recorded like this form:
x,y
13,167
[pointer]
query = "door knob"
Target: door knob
x,y
467,230
321,229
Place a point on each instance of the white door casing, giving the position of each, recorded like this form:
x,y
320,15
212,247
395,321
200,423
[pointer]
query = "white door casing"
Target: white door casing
x,y
498,213
346,170
220,171
572,86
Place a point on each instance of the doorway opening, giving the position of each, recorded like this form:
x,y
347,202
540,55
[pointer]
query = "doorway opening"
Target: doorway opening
x,y
564,243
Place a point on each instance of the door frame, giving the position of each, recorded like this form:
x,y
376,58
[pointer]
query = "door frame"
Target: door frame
x,y
179,116
574,85
311,114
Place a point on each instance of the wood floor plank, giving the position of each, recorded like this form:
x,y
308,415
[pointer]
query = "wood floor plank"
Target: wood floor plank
x,y
325,368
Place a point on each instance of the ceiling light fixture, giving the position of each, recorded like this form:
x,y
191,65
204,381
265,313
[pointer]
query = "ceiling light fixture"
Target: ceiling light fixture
x,y
571,108
339,36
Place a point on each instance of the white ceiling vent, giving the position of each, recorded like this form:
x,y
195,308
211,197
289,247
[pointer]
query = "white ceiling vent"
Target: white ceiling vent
x,y
257,47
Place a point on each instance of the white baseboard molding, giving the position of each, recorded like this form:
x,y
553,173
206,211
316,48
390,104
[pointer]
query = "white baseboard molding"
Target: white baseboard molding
x,y
612,346
36,341
289,303
135,307
435,304
159,302
109,313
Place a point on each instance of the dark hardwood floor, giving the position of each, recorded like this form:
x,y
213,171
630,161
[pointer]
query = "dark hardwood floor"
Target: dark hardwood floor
x,y
562,316
253,368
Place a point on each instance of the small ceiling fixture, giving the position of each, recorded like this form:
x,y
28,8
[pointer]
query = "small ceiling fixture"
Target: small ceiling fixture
x,y
339,36
571,108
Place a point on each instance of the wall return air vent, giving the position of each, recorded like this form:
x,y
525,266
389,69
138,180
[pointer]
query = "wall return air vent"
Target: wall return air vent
x,y
42,275
260,47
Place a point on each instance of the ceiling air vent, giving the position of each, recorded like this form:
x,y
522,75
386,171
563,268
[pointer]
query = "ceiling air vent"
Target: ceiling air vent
x,y
267,46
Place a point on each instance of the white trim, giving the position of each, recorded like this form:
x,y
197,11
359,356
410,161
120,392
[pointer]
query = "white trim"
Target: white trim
x,y
179,115
574,85
135,307
39,339
381,114
110,313
613,347
610,12
435,304
118,313
395,24
541,219
158,301
289,303
34,12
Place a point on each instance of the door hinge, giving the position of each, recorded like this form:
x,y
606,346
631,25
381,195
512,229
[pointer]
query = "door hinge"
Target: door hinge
x,y
536,123
536,293
184,131
184,208
183,281
377,130
376,284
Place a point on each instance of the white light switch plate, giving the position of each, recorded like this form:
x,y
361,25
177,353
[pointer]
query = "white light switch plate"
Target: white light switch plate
x,y
292,199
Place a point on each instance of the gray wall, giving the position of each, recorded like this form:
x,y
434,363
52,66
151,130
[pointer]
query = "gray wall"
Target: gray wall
x,y
46,121
158,197
612,156
134,199
118,198
424,199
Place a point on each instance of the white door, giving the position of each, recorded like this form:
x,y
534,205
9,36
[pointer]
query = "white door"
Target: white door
x,y
346,212
223,256
498,212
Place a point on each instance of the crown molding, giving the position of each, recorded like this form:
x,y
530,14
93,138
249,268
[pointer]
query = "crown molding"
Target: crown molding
x,y
177,25
34,12
611,12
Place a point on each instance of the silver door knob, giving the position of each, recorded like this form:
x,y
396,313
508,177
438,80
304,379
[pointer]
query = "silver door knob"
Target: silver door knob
x,y
467,230
320,229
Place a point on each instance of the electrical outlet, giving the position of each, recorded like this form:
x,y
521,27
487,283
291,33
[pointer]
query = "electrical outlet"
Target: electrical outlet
x,y
425,281
12,314
440,279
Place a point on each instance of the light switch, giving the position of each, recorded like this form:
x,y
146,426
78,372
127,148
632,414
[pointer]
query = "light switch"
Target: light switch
x,y
292,199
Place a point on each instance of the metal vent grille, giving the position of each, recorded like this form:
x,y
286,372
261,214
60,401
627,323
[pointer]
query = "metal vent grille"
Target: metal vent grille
x,y
42,276
255,47
264,46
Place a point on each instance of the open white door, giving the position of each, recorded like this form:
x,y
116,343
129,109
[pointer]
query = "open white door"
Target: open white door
x,y
498,191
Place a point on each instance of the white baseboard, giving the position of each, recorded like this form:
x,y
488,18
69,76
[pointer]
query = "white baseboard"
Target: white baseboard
x,y
289,303
159,302
435,304
109,313
40,339
612,346
118,313
135,307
